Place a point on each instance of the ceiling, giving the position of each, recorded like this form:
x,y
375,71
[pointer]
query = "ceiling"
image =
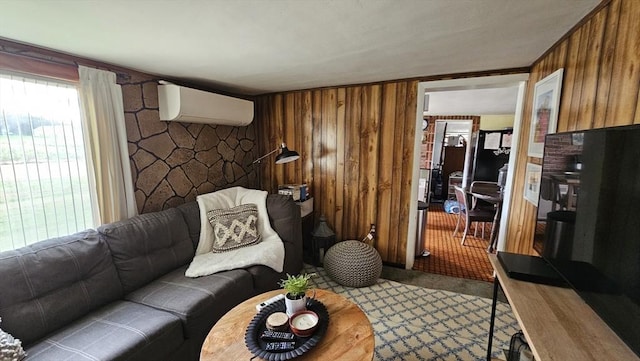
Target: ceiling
x,y
257,46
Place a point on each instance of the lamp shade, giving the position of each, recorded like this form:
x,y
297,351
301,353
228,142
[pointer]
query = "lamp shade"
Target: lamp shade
x,y
286,155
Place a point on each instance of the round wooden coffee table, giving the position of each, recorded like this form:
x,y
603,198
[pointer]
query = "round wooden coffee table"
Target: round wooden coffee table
x,y
349,334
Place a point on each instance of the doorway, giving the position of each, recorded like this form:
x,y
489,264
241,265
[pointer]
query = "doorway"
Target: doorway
x,y
425,106
449,156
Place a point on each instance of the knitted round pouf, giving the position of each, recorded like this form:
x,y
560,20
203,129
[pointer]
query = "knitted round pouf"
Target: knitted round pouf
x,y
353,263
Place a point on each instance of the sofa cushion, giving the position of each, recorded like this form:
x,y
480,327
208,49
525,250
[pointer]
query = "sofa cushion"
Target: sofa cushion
x,y
119,331
198,302
10,347
191,213
51,283
285,218
264,278
148,246
234,227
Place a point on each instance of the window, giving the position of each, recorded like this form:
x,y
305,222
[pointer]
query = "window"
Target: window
x,y
44,189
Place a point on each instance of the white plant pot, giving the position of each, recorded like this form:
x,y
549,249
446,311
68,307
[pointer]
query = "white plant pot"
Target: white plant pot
x,y
293,306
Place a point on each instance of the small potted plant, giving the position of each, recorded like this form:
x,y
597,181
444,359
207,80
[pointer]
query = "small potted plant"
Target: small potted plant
x,y
296,297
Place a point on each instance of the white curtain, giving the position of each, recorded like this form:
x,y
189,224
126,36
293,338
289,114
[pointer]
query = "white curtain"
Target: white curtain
x,y
106,142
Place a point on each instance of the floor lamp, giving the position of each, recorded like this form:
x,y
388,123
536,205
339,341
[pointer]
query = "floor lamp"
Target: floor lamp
x,y
285,156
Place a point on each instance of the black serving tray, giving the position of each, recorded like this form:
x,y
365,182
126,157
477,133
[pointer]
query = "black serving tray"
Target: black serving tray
x,y
303,344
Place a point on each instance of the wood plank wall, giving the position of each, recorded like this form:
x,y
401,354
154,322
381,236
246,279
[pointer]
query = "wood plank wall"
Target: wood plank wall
x,y
356,146
600,88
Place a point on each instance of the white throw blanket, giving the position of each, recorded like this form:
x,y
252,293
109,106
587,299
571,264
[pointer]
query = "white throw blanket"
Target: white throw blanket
x,y
269,252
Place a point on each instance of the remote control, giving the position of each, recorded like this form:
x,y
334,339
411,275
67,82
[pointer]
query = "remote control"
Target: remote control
x,y
266,303
276,336
280,346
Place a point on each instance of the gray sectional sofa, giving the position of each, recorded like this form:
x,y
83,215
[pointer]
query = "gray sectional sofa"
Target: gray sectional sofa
x,y
119,292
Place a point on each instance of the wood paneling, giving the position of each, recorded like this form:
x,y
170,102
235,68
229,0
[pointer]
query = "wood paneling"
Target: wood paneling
x,y
356,145
600,88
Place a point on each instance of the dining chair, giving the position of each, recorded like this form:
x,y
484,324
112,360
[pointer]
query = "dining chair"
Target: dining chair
x,y
550,190
486,188
470,215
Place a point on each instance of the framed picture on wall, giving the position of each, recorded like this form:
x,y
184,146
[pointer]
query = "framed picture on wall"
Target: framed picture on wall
x,y
546,103
532,183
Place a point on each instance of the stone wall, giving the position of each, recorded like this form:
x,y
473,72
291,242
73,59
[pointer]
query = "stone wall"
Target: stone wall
x,y
173,162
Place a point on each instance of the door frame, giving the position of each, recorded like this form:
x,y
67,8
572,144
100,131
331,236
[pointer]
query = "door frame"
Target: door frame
x,y
498,81
467,153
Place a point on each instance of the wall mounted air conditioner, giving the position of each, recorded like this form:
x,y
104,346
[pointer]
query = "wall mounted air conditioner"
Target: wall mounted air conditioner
x,y
182,104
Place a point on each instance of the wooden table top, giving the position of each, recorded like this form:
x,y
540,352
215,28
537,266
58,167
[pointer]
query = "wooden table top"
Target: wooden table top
x,y
558,324
349,335
566,179
493,197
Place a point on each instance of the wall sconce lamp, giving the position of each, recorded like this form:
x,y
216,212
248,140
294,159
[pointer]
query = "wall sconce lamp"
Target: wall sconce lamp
x,y
285,155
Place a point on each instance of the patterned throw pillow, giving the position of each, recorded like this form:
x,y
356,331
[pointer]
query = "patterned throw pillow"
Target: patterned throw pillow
x,y
10,348
234,227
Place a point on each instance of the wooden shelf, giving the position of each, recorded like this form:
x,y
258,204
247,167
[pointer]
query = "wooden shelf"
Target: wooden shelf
x,y
558,324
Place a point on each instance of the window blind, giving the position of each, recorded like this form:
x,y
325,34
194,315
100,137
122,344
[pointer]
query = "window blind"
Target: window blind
x,y
43,173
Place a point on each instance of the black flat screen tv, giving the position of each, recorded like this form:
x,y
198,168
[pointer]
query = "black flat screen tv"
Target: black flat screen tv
x,y
589,221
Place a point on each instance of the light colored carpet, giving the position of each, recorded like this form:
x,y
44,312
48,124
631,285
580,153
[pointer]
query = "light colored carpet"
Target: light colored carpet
x,y
415,323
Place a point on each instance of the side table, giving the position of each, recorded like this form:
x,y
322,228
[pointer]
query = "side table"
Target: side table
x,y
306,212
307,221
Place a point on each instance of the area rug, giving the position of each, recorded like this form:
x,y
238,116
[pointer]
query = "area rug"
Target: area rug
x,y
413,323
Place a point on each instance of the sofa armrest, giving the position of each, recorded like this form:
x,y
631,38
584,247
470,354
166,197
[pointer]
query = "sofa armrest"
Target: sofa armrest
x,y
284,215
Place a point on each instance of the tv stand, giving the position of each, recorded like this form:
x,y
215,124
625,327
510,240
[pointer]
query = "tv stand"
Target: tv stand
x,y
556,322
